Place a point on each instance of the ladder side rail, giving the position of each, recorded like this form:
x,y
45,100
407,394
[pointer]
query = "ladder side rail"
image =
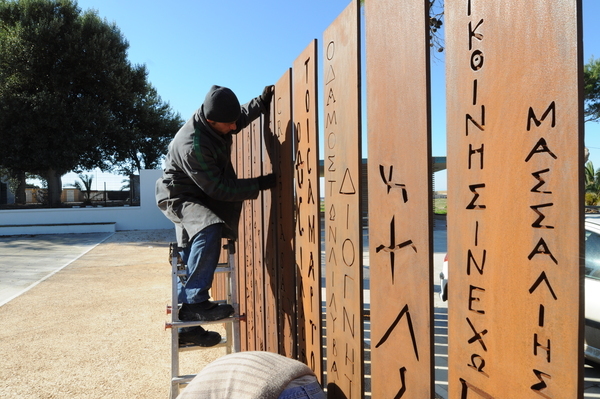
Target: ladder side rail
x,y
174,319
233,293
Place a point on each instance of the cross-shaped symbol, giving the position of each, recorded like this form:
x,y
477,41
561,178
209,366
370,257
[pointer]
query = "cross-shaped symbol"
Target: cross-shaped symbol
x,y
393,246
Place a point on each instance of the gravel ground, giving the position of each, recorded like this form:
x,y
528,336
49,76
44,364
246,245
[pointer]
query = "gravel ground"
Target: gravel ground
x,y
96,328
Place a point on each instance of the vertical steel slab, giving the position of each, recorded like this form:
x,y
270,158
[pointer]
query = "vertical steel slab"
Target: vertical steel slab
x,y
270,238
285,215
308,232
515,198
400,201
249,244
218,291
257,241
240,247
343,232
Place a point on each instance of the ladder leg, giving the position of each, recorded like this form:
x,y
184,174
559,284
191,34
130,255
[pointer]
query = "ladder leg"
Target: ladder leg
x,y
232,325
233,295
174,318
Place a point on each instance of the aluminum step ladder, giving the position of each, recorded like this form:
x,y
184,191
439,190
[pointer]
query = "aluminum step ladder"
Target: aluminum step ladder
x,y
231,341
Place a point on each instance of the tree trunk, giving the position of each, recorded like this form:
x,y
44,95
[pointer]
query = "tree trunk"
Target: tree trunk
x,y
54,180
20,194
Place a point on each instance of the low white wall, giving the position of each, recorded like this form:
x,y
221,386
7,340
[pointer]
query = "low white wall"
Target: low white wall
x,y
147,216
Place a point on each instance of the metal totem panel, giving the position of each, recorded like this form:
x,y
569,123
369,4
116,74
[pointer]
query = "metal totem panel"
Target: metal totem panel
x,y
218,289
308,231
270,237
240,246
343,230
515,198
285,215
400,199
249,244
257,238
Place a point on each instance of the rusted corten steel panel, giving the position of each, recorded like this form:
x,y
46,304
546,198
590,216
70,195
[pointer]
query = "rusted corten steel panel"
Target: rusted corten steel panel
x,y
249,245
240,247
218,290
343,233
270,238
285,215
308,231
400,221
515,198
257,240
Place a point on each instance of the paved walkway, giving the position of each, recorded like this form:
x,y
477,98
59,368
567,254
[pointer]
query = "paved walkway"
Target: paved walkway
x,y
27,260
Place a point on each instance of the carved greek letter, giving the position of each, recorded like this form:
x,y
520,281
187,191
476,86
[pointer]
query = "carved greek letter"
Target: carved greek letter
x,y
543,278
411,330
542,384
473,34
470,258
473,188
539,147
537,175
480,126
478,335
542,248
476,151
537,345
531,116
537,224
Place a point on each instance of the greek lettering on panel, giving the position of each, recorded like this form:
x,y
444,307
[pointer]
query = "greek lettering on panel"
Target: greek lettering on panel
x,y
542,257
475,257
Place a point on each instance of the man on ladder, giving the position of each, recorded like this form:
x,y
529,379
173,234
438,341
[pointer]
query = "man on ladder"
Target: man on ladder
x,y
201,194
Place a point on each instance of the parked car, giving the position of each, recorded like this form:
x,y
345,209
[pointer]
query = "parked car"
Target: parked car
x,y
444,280
592,287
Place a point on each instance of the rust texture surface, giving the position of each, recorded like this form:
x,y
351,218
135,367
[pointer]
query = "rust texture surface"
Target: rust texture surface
x,y
248,253
238,162
285,215
343,234
515,198
218,290
270,238
400,221
308,236
258,238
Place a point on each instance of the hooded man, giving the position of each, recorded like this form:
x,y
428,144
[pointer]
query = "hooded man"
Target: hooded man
x,y
201,194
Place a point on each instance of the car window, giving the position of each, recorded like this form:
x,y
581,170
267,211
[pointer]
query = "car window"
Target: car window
x,y
592,255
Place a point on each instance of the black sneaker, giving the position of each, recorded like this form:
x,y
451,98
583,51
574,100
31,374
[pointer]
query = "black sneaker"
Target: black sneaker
x,y
205,311
199,336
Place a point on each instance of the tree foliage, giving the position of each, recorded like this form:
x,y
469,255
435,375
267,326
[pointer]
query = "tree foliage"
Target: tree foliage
x,y
591,81
85,186
69,98
592,184
150,128
436,20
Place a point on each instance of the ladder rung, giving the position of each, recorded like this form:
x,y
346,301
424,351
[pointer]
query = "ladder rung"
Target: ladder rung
x,y
220,269
182,379
191,347
182,324
223,270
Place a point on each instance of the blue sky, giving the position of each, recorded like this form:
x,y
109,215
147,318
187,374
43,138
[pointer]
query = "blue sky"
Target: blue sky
x,y
189,45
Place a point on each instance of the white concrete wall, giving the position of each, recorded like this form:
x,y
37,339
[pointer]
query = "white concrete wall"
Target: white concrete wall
x,y
147,216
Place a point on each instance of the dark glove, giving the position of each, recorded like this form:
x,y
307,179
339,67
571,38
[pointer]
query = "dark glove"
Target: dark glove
x,y
267,95
267,181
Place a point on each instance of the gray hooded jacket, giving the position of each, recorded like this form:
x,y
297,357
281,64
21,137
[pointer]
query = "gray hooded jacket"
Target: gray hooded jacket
x,y
199,186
